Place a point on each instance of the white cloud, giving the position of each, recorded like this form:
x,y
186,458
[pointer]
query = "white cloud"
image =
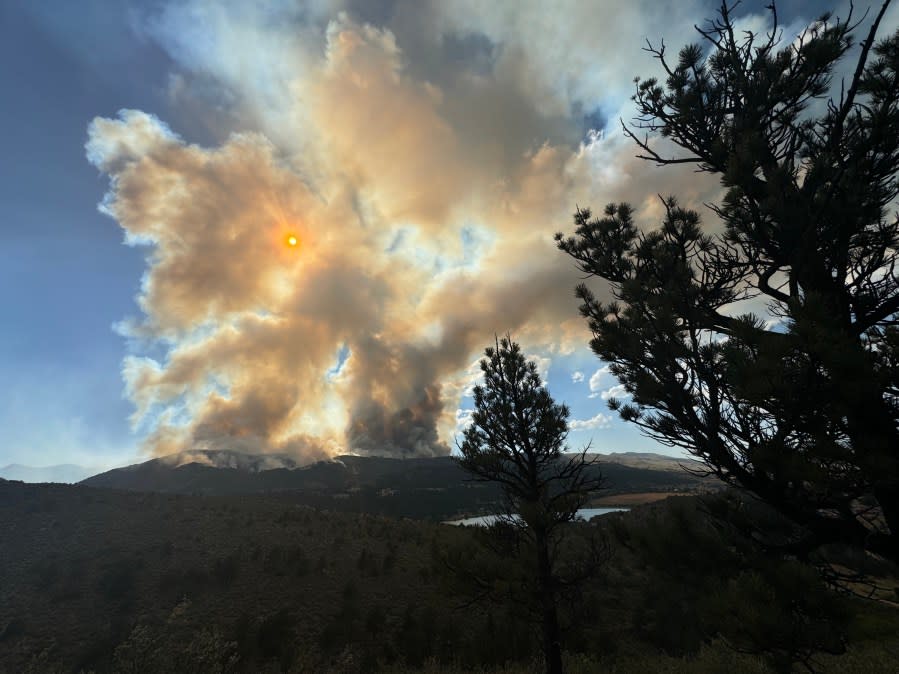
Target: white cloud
x,y
542,363
561,56
596,380
462,385
463,419
616,391
577,377
599,421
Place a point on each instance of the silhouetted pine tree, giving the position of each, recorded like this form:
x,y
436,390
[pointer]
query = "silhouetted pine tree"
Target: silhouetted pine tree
x,y
516,440
800,410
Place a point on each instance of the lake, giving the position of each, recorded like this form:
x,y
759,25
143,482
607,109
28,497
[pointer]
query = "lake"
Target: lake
x,y
487,520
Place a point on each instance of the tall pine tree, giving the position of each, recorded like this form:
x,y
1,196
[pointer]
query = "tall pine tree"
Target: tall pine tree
x,y
799,403
516,440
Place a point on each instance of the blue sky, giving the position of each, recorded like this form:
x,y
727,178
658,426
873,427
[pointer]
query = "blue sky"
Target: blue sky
x,y
505,94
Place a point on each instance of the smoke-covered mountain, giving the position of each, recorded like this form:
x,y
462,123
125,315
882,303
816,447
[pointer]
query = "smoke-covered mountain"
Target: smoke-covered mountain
x,y
221,472
67,473
223,458
229,472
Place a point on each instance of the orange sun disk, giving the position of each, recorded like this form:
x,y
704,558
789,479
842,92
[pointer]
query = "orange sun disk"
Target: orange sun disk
x,y
292,241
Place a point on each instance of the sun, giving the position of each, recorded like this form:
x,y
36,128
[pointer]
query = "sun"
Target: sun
x,y
292,241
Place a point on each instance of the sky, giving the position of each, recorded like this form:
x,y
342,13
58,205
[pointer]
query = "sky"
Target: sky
x,y
159,156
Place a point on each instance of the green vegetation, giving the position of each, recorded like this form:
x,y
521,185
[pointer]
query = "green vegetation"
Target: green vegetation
x,y
109,581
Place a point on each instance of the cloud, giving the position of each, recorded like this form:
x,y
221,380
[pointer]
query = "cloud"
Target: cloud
x,y
543,364
577,377
599,421
616,391
463,419
423,159
595,382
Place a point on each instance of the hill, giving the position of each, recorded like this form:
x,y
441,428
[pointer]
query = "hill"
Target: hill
x,y
650,461
434,488
114,581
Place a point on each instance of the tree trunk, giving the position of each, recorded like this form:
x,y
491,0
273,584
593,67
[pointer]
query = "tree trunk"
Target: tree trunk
x,y
871,423
552,646
872,429
887,495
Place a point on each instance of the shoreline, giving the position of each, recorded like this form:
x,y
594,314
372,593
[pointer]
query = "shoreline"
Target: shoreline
x,y
634,499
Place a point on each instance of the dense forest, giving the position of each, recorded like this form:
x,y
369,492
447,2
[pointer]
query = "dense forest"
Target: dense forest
x,y
105,580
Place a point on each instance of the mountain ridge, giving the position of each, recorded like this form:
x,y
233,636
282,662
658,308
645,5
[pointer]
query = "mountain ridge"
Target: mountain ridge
x,y
432,487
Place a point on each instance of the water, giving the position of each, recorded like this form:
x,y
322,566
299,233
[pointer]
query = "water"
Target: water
x,y
487,520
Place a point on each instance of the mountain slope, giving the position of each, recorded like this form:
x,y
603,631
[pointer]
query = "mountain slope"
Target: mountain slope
x,y
433,488
220,473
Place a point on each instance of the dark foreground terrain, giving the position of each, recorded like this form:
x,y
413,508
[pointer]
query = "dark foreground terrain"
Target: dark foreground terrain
x,y
106,580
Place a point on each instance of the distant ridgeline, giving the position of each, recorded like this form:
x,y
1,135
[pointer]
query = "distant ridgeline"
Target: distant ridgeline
x,y
66,473
415,487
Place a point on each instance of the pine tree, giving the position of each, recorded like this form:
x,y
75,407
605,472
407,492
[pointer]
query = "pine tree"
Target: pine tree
x,y
516,439
797,404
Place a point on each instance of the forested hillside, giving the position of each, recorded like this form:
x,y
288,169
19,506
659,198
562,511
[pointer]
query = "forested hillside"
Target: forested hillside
x,y
429,488
103,580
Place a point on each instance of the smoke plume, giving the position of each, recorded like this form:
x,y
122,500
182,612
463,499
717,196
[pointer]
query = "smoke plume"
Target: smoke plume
x,y
377,201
